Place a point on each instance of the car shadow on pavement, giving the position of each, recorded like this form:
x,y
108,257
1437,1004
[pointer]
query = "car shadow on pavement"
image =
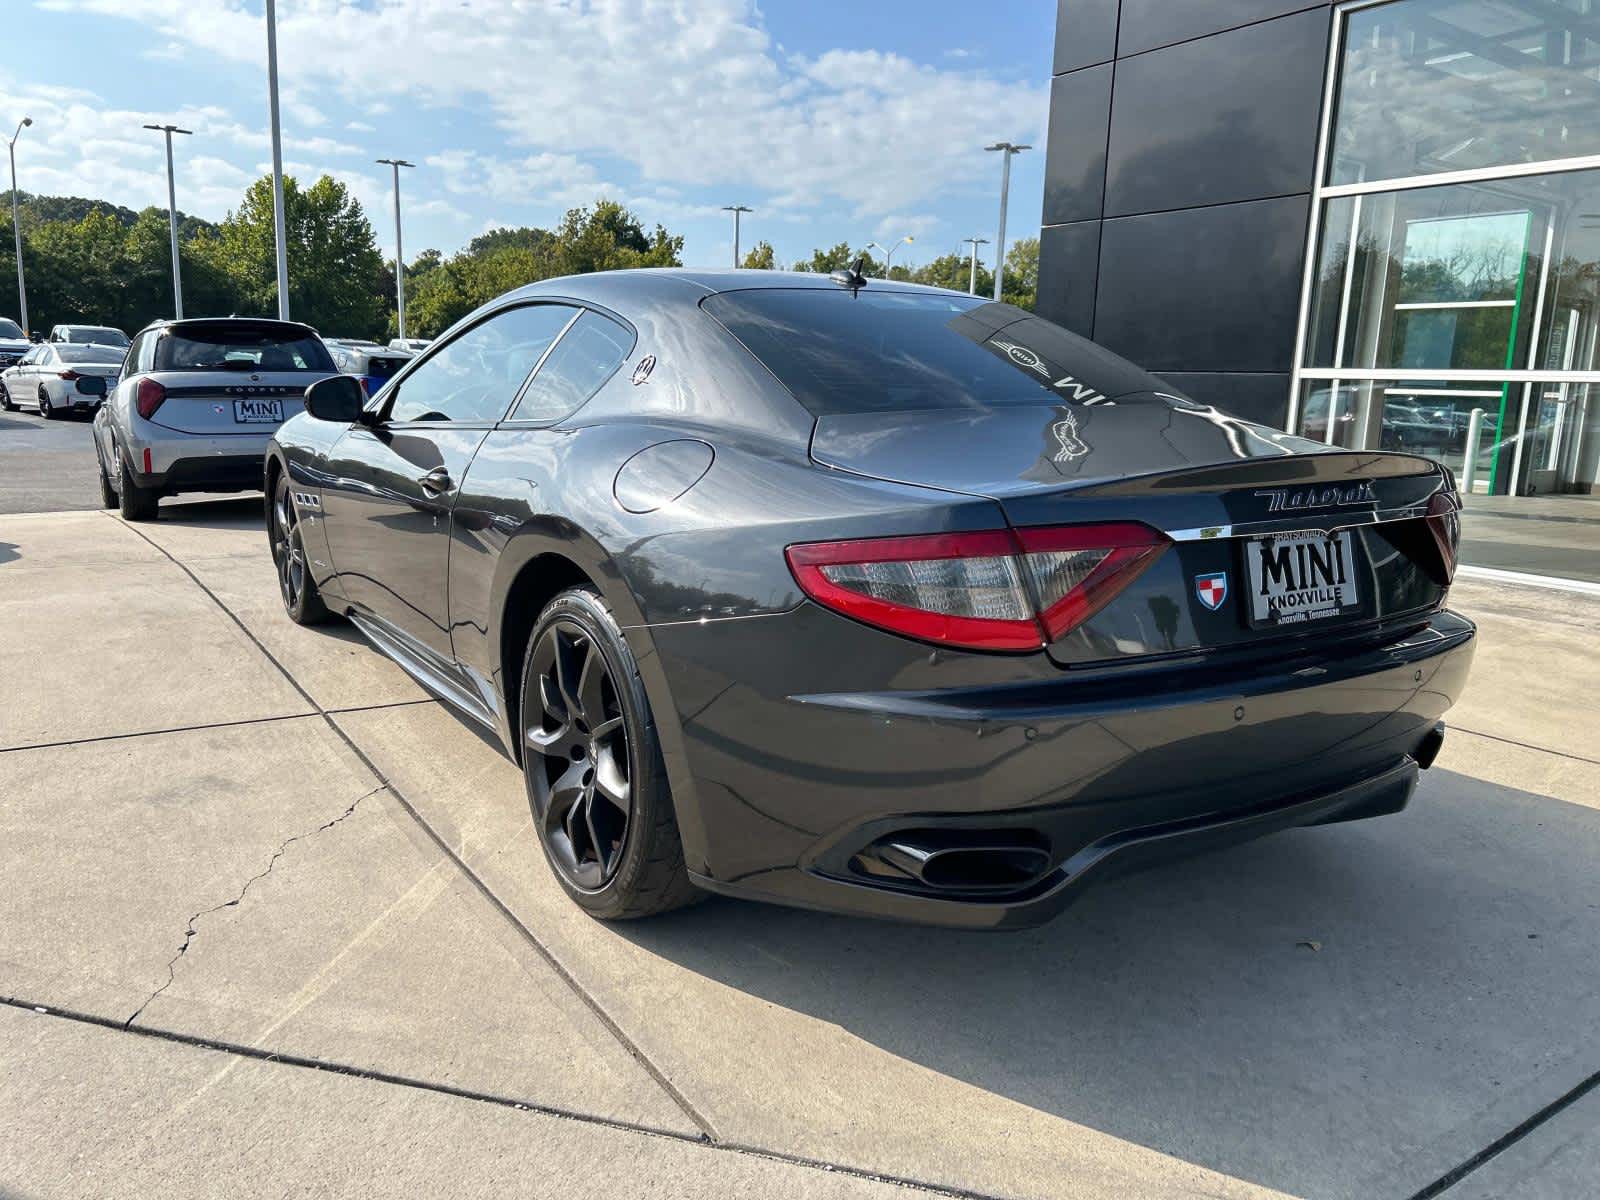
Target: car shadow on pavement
x,y
227,512
1308,1012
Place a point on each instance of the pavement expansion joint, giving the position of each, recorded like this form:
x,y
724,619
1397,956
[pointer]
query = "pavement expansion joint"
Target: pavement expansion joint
x,y
191,928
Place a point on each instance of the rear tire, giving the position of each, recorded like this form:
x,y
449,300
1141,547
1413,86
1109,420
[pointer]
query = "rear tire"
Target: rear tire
x,y
5,399
108,494
45,411
134,502
296,587
593,769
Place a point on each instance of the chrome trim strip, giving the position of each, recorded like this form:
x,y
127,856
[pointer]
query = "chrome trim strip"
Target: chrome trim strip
x,y
1300,522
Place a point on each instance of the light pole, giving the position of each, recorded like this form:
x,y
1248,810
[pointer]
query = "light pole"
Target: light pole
x,y
1007,149
882,251
972,285
889,253
736,209
279,234
172,219
16,226
399,254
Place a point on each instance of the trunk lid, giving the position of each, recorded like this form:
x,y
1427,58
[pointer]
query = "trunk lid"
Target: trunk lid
x,y
220,404
1217,486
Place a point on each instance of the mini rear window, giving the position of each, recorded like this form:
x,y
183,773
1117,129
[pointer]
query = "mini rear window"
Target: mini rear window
x,y
243,349
840,351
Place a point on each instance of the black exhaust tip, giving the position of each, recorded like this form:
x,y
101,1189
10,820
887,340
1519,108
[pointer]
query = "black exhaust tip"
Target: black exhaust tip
x,y
957,860
1428,749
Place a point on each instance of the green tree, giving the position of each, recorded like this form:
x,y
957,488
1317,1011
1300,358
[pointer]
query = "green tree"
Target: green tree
x,y
760,258
610,238
837,258
335,269
1021,284
954,271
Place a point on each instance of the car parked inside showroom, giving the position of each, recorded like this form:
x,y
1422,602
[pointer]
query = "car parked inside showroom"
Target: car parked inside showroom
x,y
100,335
197,403
870,597
59,379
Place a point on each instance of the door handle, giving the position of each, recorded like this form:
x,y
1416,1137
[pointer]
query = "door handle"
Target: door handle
x,y
436,480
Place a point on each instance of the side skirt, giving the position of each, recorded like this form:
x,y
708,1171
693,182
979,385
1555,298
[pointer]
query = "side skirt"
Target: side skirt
x,y
398,647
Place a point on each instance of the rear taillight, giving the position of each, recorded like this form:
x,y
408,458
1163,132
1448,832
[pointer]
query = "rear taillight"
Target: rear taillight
x,y
149,397
69,374
1444,523
992,590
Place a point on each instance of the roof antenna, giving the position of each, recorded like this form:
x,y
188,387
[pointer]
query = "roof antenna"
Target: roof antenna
x,y
851,276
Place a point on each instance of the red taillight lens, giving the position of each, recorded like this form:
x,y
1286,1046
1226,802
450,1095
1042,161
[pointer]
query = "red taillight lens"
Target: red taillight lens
x,y
149,397
991,590
68,374
1444,522
1076,570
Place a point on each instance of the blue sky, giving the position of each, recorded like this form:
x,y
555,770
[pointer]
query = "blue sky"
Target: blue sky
x,y
834,121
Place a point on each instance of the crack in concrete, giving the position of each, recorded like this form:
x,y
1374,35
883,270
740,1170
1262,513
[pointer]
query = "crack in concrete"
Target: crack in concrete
x,y
190,931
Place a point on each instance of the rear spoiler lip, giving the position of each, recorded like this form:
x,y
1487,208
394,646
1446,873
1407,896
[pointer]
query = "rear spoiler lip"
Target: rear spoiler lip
x,y
1325,468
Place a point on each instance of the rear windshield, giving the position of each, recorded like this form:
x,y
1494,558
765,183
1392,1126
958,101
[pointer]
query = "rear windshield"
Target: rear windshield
x,y
88,354
102,334
10,329
866,351
245,349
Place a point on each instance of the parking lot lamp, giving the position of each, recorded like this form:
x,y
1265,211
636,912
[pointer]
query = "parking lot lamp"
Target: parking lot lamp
x,y
277,162
736,209
882,251
889,253
1007,149
172,219
16,226
972,283
399,254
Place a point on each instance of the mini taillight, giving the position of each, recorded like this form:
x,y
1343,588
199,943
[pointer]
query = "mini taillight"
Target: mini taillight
x,y
991,590
1444,522
149,397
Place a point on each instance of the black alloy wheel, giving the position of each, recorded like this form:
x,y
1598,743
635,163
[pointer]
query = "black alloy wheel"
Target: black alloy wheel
x,y
592,763
5,399
300,597
45,410
578,734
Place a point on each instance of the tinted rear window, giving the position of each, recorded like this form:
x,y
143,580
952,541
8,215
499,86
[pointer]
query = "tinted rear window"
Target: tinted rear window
x,y
10,329
103,334
89,354
843,352
241,349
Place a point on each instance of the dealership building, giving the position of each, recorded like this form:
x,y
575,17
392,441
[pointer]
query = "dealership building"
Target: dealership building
x,y
1376,224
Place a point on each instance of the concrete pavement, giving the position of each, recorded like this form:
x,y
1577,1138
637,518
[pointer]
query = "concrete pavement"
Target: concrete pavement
x,y
226,839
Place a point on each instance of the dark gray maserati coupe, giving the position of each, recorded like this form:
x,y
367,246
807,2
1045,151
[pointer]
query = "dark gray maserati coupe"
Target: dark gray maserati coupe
x,y
870,597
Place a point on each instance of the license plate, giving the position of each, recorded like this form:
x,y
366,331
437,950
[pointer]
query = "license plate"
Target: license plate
x,y
1297,577
257,412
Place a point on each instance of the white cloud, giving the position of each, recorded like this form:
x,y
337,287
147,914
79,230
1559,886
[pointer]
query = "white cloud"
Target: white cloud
x,y
685,94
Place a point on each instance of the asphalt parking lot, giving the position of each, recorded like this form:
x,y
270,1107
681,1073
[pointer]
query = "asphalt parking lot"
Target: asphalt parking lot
x,y
274,921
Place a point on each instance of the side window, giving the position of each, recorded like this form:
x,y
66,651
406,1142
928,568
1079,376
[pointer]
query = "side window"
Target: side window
x,y
581,361
147,352
31,357
475,376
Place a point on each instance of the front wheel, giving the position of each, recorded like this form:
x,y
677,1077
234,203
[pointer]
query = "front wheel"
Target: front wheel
x,y
593,767
301,600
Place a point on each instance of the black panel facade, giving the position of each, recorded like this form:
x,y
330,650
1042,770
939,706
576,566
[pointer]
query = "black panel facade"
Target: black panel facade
x,y
1203,289
1069,266
1190,258
1086,33
1224,118
1146,24
1075,152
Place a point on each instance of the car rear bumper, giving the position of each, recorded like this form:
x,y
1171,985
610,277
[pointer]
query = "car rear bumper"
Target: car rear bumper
x,y
1028,791
180,462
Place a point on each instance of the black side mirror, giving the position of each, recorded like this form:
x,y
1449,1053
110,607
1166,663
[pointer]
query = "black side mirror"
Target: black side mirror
x,y
338,398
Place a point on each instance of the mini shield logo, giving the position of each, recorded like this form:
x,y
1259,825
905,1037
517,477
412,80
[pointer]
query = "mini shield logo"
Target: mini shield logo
x,y
1212,589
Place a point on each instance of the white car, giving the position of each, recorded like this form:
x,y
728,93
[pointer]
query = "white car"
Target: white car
x,y
100,335
200,400
61,378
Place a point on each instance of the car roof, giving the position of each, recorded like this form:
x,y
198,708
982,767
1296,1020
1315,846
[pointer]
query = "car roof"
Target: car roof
x,y
703,281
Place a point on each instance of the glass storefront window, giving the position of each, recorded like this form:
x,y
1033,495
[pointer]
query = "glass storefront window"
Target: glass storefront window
x,y
1427,86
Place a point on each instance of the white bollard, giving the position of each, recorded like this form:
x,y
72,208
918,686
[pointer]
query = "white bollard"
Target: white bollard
x,y
1469,465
